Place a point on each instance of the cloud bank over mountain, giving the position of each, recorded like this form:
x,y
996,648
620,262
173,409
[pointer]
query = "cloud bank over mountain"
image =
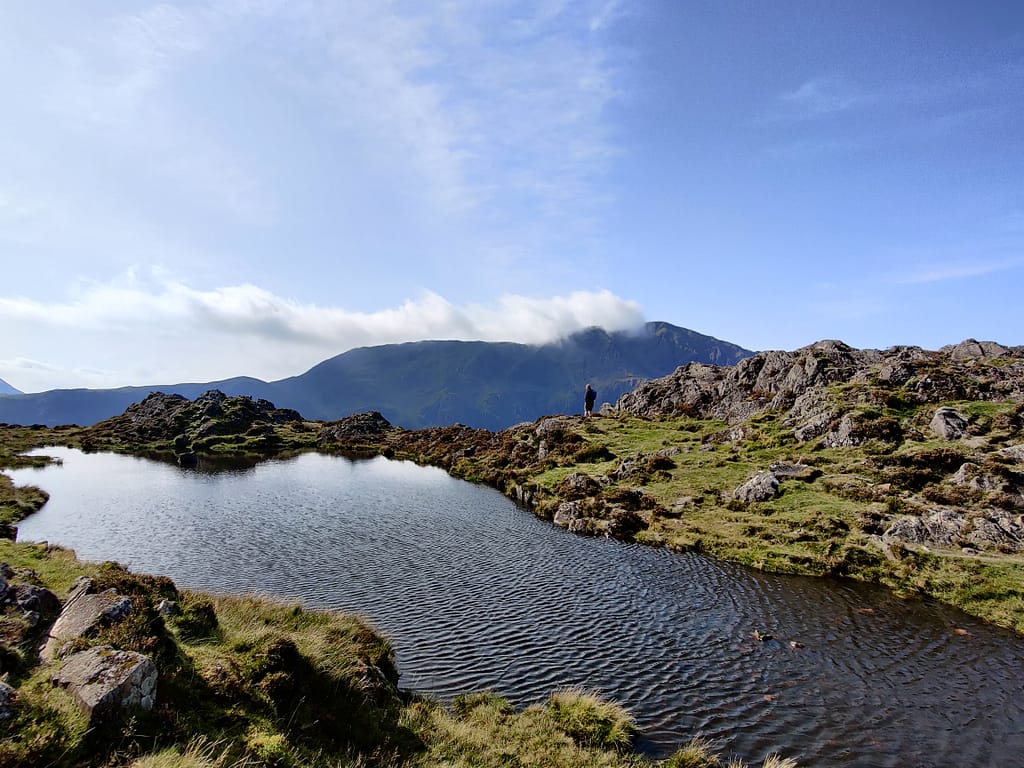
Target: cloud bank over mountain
x,y
173,332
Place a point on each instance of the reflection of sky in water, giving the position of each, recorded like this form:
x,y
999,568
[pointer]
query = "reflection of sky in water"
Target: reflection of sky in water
x,y
479,594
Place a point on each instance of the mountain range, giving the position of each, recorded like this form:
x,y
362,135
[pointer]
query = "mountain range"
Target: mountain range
x,y
7,389
491,385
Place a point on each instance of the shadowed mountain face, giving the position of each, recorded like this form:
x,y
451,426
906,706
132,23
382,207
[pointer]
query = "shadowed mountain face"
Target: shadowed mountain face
x,y
7,389
432,383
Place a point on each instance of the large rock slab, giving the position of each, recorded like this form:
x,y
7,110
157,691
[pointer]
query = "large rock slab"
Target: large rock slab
x,y
81,613
104,680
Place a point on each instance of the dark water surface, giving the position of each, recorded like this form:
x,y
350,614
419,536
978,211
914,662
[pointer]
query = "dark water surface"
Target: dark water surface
x,y
477,593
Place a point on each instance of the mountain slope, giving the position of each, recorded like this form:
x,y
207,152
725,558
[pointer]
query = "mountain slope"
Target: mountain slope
x,y
430,383
7,389
494,385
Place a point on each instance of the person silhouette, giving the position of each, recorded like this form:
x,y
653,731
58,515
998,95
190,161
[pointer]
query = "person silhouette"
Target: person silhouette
x,y
588,402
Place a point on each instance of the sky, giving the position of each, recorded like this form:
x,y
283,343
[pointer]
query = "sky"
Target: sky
x,y
198,190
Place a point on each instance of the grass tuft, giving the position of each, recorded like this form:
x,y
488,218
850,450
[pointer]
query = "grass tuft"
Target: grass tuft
x,y
592,721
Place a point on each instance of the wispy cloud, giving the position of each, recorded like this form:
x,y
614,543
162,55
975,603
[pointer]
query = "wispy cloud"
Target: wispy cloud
x,y
124,85
455,90
481,127
946,272
818,97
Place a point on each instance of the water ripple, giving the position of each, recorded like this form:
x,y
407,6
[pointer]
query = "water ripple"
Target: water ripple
x,y
478,594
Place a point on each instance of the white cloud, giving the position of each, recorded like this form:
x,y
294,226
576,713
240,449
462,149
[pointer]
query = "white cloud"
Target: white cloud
x,y
165,329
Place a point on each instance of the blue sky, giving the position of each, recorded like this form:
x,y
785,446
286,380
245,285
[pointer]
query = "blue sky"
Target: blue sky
x,y
197,190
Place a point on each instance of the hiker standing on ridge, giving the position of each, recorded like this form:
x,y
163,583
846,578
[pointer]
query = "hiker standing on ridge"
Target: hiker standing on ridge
x,y
588,401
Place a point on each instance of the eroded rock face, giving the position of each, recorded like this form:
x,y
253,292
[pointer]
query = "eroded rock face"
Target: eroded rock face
x,y
104,680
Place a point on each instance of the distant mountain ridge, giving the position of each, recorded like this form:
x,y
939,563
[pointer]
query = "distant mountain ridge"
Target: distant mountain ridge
x,y
430,383
7,389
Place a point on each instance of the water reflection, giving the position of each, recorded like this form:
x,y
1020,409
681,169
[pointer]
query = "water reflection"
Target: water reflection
x,y
478,594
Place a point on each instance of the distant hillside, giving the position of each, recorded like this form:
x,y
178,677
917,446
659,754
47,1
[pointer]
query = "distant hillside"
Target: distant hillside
x,y
431,383
7,389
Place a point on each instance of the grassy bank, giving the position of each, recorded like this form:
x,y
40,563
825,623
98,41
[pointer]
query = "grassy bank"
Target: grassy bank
x,y
246,681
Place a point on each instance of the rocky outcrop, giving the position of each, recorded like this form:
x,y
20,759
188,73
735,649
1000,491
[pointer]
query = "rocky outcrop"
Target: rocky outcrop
x,y
104,680
950,527
28,603
175,419
800,385
973,476
616,521
367,426
1014,453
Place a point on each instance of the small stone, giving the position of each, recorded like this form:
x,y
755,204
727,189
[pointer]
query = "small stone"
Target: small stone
x,y
168,608
7,698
